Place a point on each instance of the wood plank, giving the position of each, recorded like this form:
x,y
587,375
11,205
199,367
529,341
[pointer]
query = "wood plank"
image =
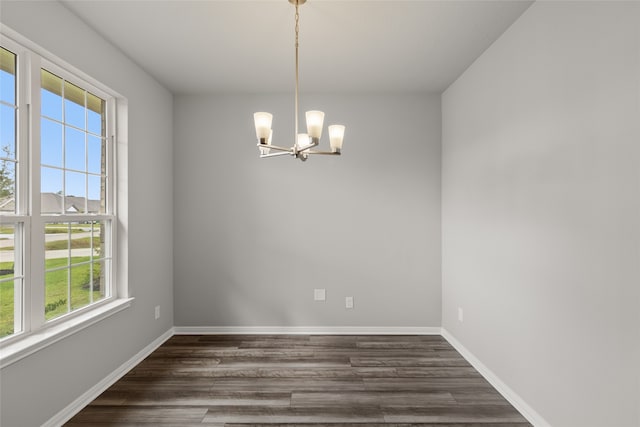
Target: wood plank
x,y
287,384
285,361
434,361
372,399
159,384
454,414
97,415
193,398
257,414
438,372
426,384
339,372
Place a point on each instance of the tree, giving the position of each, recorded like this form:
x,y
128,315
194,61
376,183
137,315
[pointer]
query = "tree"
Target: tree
x,y
6,173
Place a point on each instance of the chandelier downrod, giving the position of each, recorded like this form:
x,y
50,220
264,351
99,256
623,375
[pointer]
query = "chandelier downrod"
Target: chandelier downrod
x,y
303,143
297,29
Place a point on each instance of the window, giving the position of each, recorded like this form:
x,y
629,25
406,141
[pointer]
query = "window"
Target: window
x,y
74,183
13,225
57,194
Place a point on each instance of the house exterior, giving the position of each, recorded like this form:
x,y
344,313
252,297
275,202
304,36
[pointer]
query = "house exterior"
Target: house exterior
x,y
54,202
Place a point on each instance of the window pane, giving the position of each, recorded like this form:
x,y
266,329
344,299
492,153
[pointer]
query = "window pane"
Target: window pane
x,y
7,76
51,188
75,187
75,266
95,114
74,149
82,240
7,186
51,143
56,243
51,95
78,153
100,289
95,156
57,237
56,291
80,286
7,131
74,110
10,283
99,233
95,202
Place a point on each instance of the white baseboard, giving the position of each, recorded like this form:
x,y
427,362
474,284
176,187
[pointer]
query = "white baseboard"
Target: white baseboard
x,y
512,397
77,405
306,330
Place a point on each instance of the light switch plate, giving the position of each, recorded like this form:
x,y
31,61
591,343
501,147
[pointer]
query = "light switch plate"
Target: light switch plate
x,y
319,295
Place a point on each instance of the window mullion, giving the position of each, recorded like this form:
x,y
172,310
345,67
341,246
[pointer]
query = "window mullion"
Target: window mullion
x,y
36,246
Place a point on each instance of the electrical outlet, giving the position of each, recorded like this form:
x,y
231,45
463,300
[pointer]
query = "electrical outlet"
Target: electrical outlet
x,y
348,302
460,315
319,295
157,312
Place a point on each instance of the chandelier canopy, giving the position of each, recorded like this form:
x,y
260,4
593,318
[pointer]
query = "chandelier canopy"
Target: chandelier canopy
x,y
303,143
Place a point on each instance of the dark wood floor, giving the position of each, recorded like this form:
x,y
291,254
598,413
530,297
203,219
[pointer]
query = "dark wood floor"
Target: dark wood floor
x,y
302,380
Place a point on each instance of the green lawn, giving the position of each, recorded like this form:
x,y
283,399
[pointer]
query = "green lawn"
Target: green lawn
x,y
56,292
83,242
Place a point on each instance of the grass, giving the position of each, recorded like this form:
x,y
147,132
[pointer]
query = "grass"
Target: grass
x,y
83,242
64,228
56,290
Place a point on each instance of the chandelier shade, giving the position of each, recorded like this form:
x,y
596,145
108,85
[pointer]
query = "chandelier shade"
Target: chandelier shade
x,y
303,143
263,124
336,135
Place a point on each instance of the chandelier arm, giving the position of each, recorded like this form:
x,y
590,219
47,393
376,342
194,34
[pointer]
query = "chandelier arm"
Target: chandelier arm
x,y
274,147
281,153
326,153
308,147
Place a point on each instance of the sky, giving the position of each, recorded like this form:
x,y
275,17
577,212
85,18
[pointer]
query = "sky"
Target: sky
x,y
70,141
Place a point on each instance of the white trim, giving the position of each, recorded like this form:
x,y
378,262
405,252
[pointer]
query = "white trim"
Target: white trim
x,y
307,330
527,411
31,343
87,397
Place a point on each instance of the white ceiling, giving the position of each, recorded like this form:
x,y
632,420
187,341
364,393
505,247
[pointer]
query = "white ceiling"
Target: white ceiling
x,y
345,45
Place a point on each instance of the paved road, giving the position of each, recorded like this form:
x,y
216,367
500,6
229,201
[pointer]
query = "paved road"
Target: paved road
x,y
6,240
7,256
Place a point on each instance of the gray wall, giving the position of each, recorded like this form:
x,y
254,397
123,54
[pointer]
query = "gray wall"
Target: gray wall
x,y
37,387
541,211
254,237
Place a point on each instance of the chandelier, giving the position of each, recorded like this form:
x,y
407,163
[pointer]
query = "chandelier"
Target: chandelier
x,y
303,142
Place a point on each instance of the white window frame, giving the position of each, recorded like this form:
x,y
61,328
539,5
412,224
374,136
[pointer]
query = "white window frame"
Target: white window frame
x,y
36,332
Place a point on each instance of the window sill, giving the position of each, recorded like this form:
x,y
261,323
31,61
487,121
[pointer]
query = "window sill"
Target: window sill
x,y
34,342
